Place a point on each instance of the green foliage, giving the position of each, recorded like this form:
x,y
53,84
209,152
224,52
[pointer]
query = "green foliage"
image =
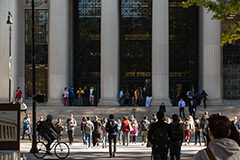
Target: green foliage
x,y
221,9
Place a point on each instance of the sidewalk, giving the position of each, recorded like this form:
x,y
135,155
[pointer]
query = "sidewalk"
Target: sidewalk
x,y
78,151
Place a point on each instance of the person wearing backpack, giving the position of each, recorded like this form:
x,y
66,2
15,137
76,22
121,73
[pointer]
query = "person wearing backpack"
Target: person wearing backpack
x,y
158,135
112,128
220,147
88,129
176,137
145,124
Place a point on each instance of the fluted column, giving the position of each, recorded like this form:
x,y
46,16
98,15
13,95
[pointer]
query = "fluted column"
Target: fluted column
x,y
109,52
58,56
160,52
211,59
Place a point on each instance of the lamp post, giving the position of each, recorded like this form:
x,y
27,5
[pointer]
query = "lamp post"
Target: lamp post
x,y
10,22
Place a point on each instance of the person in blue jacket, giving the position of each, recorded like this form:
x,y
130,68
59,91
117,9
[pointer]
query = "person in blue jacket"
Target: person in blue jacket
x,y
112,128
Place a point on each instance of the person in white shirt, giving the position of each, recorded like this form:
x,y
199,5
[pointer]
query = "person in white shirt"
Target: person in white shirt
x,y
91,96
181,105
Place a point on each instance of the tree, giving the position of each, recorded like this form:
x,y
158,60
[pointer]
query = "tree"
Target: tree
x,y
222,9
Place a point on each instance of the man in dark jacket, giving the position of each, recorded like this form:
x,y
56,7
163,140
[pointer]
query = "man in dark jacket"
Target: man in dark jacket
x,y
192,109
96,132
112,128
46,131
158,135
176,137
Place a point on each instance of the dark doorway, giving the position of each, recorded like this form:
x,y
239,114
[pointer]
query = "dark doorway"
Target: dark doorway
x,y
180,89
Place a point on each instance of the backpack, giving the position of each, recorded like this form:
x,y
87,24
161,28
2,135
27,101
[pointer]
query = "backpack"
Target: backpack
x,y
87,127
176,132
39,124
160,135
111,127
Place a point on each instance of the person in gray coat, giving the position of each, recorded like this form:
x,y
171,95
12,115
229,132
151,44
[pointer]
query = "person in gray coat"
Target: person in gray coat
x,y
220,147
88,129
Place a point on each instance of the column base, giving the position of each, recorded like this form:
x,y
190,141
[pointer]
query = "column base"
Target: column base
x,y
214,102
55,102
158,102
108,102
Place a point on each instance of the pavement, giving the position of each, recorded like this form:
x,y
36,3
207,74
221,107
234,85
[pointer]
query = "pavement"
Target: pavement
x,y
78,151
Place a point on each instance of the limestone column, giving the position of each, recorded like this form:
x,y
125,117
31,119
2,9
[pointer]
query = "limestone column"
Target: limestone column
x,y
109,52
58,59
212,59
160,52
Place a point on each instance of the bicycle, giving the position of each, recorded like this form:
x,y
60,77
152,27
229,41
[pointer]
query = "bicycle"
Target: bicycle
x,y
61,149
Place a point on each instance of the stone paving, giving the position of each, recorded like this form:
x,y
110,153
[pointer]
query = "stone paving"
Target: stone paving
x,y
131,152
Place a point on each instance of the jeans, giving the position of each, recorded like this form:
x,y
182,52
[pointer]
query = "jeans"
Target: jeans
x,y
181,113
125,135
119,137
70,135
29,133
88,138
144,136
104,136
175,149
84,138
49,137
112,138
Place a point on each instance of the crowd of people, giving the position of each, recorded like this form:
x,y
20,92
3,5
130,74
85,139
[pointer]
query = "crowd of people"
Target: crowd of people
x,y
161,133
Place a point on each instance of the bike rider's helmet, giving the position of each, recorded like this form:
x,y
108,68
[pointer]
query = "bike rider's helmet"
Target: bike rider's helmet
x,y
49,117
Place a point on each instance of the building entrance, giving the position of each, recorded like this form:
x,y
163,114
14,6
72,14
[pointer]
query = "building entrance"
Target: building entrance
x,y
180,89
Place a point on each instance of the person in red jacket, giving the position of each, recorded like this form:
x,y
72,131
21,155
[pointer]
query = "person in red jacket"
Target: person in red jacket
x,y
125,130
18,95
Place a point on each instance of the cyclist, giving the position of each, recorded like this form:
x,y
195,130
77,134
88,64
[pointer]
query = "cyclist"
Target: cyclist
x,y
46,131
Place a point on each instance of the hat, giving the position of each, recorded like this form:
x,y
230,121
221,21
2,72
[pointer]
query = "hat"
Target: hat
x,y
131,116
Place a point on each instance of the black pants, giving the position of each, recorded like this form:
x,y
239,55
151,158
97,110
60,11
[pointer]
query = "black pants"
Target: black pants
x,y
112,138
70,136
49,137
95,138
204,102
182,113
197,136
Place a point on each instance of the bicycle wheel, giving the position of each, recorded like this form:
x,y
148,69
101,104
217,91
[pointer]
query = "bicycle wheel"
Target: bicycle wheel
x,y
62,150
41,150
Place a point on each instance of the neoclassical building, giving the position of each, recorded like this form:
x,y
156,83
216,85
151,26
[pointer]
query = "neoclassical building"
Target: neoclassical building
x,y
113,44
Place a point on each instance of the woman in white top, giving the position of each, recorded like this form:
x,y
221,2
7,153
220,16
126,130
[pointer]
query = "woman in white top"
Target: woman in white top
x,y
66,96
191,126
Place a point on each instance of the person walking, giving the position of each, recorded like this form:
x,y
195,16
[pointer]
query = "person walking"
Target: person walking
x,y
84,119
204,96
112,129
158,135
66,96
176,137
162,108
125,130
97,131
121,97
181,105
145,124
134,132
198,98
71,123
186,132
192,109
220,147
104,133
190,96
59,127
197,131
119,135
88,129
71,96
38,124
27,127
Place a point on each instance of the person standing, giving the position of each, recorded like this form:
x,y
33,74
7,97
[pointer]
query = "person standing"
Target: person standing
x,y
134,132
112,129
91,95
125,130
88,129
192,109
158,135
27,127
71,96
145,124
198,98
80,94
176,137
144,95
121,97
162,107
197,131
181,105
127,98
66,96
204,127
97,131
119,135
71,123
236,124
204,96
18,95
59,127
190,96
136,96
